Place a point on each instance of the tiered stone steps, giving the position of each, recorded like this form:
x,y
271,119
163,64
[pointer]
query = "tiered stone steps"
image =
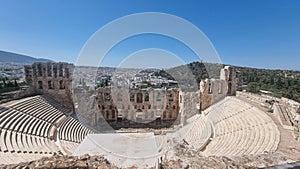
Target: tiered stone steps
x,y
200,132
72,130
242,129
28,129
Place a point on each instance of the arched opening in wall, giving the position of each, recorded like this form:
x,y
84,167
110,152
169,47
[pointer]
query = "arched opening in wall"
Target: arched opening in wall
x,y
230,72
67,73
210,88
60,70
61,84
49,70
107,114
50,85
146,97
40,84
139,98
55,70
113,114
44,70
200,105
220,88
180,98
229,88
39,70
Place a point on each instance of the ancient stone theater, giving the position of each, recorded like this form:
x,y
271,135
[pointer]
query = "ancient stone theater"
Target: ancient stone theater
x,y
149,126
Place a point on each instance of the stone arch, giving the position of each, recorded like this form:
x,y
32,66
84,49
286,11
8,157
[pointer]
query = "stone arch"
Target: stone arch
x,y
139,97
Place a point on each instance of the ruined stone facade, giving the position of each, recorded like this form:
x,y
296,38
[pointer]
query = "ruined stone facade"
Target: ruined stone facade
x,y
189,104
213,90
52,79
122,107
119,105
228,74
138,105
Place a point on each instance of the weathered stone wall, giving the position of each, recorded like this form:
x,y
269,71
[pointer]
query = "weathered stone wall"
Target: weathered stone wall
x,y
189,103
228,74
145,105
292,106
52,79
139,105
213,90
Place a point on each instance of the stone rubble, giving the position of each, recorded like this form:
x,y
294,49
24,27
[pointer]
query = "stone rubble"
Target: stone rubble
x,y
181,156
184,156
64,162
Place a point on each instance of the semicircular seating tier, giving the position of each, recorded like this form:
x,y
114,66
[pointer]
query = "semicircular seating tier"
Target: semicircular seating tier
x,y
240,129
28,129
198,132
71,133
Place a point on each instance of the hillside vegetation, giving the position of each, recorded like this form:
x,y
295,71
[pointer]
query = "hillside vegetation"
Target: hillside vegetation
x,y
282,83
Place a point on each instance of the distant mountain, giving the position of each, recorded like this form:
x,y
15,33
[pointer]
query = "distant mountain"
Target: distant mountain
x,y
8,57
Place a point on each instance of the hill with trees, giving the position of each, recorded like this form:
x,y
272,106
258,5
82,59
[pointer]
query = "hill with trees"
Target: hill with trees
x,y
282,83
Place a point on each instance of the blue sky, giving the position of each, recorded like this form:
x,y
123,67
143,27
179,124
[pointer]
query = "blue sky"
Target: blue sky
x,y
254,33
